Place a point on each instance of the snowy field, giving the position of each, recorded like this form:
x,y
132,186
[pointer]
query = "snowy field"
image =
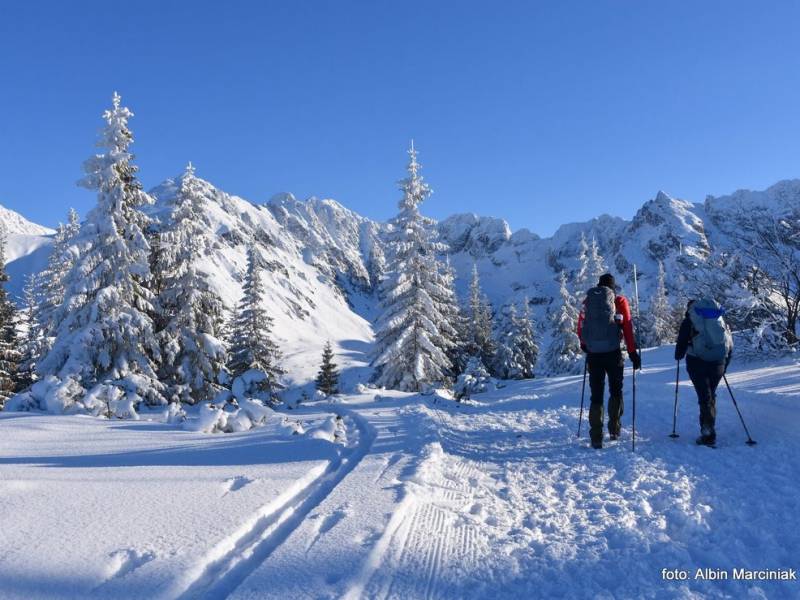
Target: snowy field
x,y
421,499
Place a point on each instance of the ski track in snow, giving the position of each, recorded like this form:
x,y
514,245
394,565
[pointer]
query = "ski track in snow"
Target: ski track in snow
x,y
232,560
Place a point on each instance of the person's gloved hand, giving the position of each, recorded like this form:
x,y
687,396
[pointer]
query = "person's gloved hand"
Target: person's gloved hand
x,y
636,360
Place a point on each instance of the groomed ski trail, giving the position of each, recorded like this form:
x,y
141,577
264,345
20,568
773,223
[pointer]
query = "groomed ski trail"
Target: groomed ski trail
x,y
232,560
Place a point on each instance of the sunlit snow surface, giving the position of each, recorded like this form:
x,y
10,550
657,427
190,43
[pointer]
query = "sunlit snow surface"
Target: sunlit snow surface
x,y
420,499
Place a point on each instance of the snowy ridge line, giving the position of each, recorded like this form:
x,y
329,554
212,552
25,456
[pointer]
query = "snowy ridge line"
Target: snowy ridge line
x,y
232,560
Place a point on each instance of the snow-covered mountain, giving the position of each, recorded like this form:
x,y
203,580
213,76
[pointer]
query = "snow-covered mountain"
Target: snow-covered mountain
x,y
27,248
324,259
306,273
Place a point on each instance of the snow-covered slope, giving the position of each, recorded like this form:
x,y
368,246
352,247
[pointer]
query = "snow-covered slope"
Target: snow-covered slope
x,y
17,224
307,303
27,247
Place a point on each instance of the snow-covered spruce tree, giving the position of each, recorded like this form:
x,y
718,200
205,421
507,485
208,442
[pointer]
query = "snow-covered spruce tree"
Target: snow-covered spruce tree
x,y
328,376
9,354
193,357
454,323
581,282
254,355
525,347
659,328
596,264
50,287
504,364
517,351
479,322
33,343
105,348
564,353
412,344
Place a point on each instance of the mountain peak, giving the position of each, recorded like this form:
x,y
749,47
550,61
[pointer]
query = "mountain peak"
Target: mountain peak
x,y
15,223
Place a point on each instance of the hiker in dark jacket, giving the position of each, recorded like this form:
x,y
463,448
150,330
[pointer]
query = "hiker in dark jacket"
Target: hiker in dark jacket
x,y
604,321
706,342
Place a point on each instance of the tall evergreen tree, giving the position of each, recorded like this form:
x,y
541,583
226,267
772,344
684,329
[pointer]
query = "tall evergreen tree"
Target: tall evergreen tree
x,y
50,287
105,345
193,357
454,323
9,354
564,352
254,355
526,349
582,281
596,264
33,345
504,364
517,350
328,376
660,327
412,340
479,336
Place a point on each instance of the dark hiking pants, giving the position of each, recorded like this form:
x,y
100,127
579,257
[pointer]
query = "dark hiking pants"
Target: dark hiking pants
x,y
602,364
705,377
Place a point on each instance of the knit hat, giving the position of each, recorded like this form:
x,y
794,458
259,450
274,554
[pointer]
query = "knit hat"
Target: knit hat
x,y
607,280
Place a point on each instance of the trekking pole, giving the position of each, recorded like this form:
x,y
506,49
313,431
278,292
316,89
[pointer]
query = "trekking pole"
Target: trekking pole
x,y
675,408
583,392
636,340
750,441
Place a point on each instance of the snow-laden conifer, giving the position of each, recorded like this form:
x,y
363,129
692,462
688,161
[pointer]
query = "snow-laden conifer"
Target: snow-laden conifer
x,y
33,343
517,351
479,322
659,327
327,380
526,348
189,311
254,357
9,352
50,286
564,353
412,343
595,263
105,343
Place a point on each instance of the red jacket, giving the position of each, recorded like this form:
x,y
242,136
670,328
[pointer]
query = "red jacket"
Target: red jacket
x,y
622,307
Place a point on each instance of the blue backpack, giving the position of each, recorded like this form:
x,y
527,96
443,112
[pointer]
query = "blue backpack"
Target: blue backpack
x,y
711,340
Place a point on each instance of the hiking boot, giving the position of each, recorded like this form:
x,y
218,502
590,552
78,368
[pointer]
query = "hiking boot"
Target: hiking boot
x,y
597,444
613,436
706,440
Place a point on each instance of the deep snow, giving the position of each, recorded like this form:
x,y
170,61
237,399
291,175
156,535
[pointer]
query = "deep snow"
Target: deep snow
x,y
423,499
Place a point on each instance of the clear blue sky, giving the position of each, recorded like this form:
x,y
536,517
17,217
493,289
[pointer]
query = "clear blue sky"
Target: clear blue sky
x,y
539,112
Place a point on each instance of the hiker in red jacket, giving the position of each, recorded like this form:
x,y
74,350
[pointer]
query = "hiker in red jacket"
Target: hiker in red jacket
x,y
602,325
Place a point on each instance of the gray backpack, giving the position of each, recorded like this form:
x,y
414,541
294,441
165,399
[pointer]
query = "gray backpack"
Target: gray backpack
x,y
600,332
710,340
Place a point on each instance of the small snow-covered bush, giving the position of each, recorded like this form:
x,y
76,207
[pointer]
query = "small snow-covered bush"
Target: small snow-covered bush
x,y
474,380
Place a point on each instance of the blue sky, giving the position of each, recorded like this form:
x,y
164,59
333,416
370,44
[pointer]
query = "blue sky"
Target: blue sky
x,y
539,112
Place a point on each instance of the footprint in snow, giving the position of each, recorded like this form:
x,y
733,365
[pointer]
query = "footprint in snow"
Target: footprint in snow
x,y
234,484
125,561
